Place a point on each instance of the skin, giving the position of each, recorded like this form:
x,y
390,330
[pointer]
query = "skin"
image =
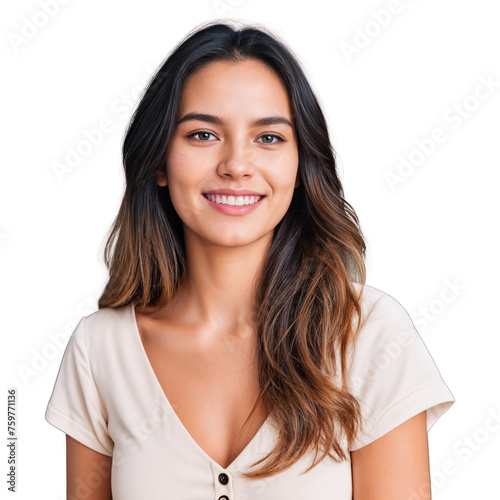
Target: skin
x,y
219,246
88,473
394,466
240,155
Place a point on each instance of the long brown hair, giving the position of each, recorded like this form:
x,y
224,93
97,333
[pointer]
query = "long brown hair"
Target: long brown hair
x,y
306,299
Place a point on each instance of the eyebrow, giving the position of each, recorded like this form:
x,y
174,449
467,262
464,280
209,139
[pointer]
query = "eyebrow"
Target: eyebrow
x,y
259,122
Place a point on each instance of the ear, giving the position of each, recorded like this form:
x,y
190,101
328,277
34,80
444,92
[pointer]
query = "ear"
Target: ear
x,y
161,178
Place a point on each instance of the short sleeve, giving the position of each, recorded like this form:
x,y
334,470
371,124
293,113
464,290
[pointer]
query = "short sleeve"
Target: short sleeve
x,y
75,406
393,375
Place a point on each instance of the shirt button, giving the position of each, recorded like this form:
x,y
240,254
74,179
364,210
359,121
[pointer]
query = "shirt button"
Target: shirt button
x,y
223,479
223,497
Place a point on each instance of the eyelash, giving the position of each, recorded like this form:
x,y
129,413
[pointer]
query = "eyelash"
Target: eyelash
x,y
280,139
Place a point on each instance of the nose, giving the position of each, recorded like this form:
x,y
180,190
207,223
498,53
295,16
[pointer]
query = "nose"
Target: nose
x,y
237,159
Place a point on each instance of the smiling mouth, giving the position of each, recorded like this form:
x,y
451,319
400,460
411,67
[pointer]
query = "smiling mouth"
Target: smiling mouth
x,y
232,200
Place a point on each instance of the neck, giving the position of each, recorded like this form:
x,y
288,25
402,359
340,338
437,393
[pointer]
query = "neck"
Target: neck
x,y
218,284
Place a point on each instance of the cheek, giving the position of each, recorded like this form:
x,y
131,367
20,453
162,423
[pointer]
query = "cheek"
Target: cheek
x,y
283,171
184,176
184,161
179,166
176,160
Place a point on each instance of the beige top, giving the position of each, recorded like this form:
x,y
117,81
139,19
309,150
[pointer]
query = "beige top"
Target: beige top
x,y
107,396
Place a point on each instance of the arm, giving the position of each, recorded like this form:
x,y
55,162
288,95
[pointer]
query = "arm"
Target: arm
x,y
394,466
88,473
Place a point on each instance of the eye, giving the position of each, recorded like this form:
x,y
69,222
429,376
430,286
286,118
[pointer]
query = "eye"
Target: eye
x,y
204,136
201,133
271,136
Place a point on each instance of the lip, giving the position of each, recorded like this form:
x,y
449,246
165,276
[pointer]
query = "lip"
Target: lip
x,y
234,192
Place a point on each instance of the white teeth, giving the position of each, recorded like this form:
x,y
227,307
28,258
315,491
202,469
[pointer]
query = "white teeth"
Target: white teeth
x,y
232,200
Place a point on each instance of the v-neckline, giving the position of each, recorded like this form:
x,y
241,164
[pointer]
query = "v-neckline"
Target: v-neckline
x,y
159,388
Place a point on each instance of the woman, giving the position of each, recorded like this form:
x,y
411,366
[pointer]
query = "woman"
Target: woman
x,y
237,352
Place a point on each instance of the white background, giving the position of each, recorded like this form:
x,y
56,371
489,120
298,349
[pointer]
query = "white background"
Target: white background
x,y
385,81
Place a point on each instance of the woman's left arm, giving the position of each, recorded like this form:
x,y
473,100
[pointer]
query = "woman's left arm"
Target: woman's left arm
x,y
394,466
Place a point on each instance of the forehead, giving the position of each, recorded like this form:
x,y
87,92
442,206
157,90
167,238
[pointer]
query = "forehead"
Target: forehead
x,y
242,86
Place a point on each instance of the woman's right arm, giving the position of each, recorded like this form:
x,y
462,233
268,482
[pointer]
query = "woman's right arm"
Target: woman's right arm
x,y
88,473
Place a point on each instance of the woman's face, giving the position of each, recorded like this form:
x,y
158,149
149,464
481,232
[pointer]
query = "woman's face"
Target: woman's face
x,y
227,149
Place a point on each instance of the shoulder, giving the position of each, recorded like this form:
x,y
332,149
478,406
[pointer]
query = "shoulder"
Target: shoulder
x,y
388,350
378,307
103,328
107,317
374,298
385,324
393,375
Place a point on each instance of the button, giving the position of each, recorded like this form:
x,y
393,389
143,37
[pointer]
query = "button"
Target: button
x,y
223,479
223,497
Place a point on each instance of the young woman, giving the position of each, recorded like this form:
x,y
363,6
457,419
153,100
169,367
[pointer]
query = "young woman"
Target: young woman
x,y
237,352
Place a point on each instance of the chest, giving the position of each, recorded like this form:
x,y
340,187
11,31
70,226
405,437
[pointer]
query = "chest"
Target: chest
x,y
210,382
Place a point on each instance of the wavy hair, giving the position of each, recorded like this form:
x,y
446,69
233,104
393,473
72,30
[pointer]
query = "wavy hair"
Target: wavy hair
x,y
306,298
